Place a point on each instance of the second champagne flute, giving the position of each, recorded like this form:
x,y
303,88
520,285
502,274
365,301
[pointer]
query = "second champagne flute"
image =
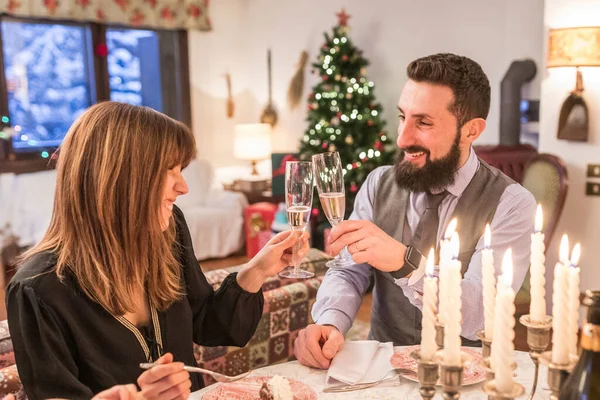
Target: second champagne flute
x,y
329,175
299,186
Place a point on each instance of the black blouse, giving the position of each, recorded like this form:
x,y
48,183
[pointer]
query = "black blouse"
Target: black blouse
x,y
68,346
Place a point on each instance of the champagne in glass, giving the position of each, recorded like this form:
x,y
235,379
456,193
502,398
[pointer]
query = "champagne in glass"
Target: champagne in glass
x,y
298,200
329,175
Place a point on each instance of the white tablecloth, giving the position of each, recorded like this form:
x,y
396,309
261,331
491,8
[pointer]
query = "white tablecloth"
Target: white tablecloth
x,y
397,390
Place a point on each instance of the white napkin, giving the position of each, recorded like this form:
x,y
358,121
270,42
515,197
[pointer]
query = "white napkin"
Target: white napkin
x,y
361,361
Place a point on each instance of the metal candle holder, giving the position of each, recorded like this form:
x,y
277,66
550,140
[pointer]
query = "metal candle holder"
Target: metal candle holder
x,y
451,376
428,375
538,339
439,335
557,373
486,344
490,388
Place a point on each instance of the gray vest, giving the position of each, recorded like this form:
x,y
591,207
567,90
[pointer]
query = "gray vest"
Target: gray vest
x,y
393,317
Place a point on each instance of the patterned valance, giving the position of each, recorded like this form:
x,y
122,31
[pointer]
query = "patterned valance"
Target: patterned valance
x,y
163,14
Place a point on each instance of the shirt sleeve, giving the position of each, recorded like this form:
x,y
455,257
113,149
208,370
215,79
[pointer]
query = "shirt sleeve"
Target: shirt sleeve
x,y
226,317
511,227
341,292
47,368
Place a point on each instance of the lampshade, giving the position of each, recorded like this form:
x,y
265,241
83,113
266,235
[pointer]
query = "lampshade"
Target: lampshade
x,y
252,141
574,47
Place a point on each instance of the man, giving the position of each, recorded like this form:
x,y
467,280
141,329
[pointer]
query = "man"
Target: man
x,y
402,211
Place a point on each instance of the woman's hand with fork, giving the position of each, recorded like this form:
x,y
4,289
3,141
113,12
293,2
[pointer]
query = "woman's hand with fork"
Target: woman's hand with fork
x,y
168,380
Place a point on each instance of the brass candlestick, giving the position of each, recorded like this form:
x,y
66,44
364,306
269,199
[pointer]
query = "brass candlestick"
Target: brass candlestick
x,y
557,373
451,376
486,344
538,339
428,375
493,393
439,335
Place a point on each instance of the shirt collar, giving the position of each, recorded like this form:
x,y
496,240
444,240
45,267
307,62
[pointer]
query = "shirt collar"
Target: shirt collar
x,y
463,176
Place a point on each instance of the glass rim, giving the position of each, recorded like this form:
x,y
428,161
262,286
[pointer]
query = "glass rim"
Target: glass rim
x,y
297,162
327,153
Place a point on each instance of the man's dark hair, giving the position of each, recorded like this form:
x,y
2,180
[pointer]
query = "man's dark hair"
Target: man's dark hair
x,y
469,84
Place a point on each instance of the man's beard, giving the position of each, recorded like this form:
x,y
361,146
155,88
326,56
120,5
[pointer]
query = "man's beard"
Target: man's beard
x,y
435,175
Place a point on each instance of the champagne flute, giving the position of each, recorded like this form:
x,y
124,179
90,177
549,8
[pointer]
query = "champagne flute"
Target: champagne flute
x,y
298,200
329,175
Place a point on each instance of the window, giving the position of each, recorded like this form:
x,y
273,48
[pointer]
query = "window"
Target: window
x,y
47,77
134,67
54,71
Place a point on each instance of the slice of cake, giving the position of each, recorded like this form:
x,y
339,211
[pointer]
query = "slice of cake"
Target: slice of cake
x,y
277,388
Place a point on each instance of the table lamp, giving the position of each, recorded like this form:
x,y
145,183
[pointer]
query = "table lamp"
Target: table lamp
x,y
574,47
252,142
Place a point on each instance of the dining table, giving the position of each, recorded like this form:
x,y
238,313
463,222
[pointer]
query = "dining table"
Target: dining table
x,y
397,389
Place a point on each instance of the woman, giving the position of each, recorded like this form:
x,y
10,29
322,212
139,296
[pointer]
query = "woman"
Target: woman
x,y
114,282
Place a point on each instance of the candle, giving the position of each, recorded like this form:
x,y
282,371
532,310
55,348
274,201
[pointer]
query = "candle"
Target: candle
x,y
574,299
452,327
561,307
537,280
504,327
489,284
428,344
445,257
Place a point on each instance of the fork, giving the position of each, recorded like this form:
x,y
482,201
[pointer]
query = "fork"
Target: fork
x,y
360,386
217,376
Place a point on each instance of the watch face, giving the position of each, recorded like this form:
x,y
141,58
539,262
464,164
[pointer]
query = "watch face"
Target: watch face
x,y
413,257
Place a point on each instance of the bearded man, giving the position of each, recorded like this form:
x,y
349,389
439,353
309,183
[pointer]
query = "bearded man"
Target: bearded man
x,y
402,211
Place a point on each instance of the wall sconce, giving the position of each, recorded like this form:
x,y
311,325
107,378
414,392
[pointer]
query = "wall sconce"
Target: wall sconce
x,y
574,47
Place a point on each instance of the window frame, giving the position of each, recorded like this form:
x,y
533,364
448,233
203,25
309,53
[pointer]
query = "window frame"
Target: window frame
x,y
175,83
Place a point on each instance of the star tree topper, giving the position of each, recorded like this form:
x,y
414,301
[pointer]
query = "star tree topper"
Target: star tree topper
x,y
343,18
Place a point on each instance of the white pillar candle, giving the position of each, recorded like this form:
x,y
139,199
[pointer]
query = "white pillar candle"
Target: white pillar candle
x,y
561,307
445,258
428,344
537,280
452,327
489,284
504,327
574,293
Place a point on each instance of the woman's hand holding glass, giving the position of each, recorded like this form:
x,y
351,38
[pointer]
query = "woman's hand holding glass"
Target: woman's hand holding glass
x,y
274,257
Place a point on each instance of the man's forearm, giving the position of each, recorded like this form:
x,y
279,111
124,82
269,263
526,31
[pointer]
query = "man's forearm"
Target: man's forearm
x,y
340,296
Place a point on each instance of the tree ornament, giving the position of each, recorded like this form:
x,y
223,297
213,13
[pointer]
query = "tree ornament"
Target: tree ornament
x,y
344,79
335,121
324,77
344,58
343,18
348,96
332,147
338,77
363,71
353,187
370,122
349,139
325,145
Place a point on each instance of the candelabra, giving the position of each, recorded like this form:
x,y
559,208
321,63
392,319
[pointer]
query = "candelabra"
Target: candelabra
x,y
557,373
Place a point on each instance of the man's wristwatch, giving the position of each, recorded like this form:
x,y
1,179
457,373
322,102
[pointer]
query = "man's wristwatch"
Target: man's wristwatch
x,y
412,260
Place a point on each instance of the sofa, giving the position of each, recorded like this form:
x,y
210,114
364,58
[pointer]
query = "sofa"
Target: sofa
x,y
286,311
214,216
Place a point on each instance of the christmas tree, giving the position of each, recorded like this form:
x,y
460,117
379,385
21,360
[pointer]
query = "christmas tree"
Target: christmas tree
x,y
343,115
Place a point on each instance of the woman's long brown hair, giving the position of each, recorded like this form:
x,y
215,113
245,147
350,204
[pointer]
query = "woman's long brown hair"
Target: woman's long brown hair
x,y
105,228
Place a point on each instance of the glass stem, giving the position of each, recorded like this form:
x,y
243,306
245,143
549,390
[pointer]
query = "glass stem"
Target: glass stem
x,y
296,260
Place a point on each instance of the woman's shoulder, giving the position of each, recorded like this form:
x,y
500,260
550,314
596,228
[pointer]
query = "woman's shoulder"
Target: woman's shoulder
x,y
38,272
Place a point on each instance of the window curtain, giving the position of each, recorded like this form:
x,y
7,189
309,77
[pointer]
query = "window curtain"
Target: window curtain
x,y
156,14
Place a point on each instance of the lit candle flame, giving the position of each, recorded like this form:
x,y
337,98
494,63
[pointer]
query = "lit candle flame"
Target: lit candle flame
x,y
454,245
576,255
507,268
487,237
539,219
430,262
564,250
451,229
